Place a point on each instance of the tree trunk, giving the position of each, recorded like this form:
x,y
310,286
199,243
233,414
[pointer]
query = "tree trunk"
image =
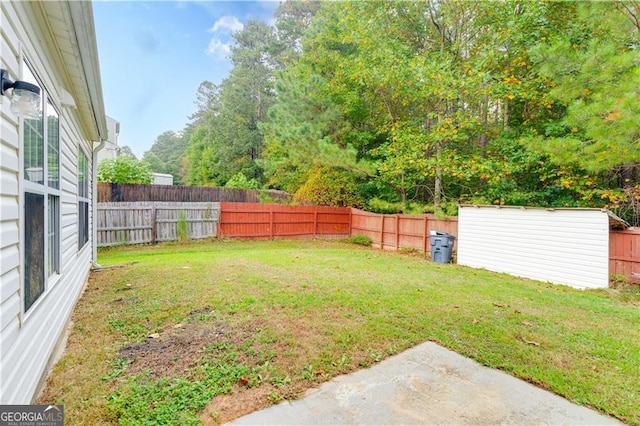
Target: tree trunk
x,y
485,122
506,116
627,176
437,187
403,191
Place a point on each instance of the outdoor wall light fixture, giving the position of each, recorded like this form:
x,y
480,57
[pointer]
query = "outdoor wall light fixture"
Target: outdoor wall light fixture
x,y
25,97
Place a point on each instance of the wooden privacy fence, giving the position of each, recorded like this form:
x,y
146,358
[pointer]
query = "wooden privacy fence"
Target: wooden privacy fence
x,y
624,254
152,222
248,220
395,231
129,192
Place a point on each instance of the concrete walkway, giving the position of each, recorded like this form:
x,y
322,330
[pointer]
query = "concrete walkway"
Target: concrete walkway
x,y
427,384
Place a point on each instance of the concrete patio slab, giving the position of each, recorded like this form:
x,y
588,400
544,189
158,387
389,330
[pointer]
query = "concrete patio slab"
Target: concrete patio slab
x,y
427,384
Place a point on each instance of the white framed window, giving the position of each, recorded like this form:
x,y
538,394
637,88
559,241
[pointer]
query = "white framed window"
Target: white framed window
x,y
41,196
83,199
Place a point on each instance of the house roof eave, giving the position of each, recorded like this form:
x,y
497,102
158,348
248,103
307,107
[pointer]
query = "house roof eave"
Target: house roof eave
x,y
72,29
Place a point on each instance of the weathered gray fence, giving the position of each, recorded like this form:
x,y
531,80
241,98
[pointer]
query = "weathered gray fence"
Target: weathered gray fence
x,y
149,222
132,192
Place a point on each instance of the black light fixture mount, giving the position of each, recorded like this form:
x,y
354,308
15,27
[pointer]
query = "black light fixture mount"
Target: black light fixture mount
x,y
25,97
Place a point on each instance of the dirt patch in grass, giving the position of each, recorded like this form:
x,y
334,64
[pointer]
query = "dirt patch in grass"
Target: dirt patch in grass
x,y
172,352
240,402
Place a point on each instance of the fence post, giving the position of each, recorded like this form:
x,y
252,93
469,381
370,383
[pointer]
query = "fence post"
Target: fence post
x,y
350,220
382,232
271,223
154,226
424,234
315,224
397,231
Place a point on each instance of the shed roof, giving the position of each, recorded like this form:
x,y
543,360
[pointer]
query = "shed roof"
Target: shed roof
x,y
615,221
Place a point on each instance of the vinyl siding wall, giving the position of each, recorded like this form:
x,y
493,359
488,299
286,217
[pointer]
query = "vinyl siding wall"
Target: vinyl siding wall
x,y
560,246
28,340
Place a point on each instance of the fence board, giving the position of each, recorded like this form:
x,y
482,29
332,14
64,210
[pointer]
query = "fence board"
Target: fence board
x,y
392,232
151,222
624,254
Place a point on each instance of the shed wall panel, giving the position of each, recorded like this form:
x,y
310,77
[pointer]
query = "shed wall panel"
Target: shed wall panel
x,y
561,246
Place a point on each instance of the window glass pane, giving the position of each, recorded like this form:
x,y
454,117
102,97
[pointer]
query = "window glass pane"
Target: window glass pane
x,y
53,146
33,140
83,175
53,255
33,248
83,224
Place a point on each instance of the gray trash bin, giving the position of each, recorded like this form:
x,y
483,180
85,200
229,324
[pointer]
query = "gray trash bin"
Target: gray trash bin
x,y
441,246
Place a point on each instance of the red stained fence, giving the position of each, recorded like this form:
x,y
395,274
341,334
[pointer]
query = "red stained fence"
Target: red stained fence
x,y
248,220
394,231
252,220
624,254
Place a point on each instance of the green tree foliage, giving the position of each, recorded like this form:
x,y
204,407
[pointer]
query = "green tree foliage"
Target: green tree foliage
x,y
125,151
240,181
439,102
305,131
166,153
594,70
462,100
124,169
226,139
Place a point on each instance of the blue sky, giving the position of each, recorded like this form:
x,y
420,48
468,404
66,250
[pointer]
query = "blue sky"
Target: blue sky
x,y
154,55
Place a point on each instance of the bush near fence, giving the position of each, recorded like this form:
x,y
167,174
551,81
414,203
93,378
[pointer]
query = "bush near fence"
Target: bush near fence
x,y
129,192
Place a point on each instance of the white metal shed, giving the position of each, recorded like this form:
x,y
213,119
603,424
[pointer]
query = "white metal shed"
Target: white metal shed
x,y
562,246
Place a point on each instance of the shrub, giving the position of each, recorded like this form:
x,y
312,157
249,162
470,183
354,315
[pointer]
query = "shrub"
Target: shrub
x,y
124,169
329,187
183,227
239,180
359,239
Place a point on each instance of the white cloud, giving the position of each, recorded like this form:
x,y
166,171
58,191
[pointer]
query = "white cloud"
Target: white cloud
x,y
222,29
227,24
217,47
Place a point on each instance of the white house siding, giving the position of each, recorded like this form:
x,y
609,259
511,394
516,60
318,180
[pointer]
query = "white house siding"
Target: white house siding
x,y
563,246
27,340
110,150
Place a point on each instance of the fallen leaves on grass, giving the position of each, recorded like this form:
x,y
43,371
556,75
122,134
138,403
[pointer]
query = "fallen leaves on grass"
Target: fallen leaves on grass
x,y
530,342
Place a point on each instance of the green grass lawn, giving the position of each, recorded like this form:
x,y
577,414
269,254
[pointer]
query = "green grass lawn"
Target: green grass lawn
x,y
207,332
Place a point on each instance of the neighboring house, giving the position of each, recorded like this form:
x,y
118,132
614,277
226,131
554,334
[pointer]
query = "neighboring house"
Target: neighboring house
x,y
111,148
47,165
162,179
